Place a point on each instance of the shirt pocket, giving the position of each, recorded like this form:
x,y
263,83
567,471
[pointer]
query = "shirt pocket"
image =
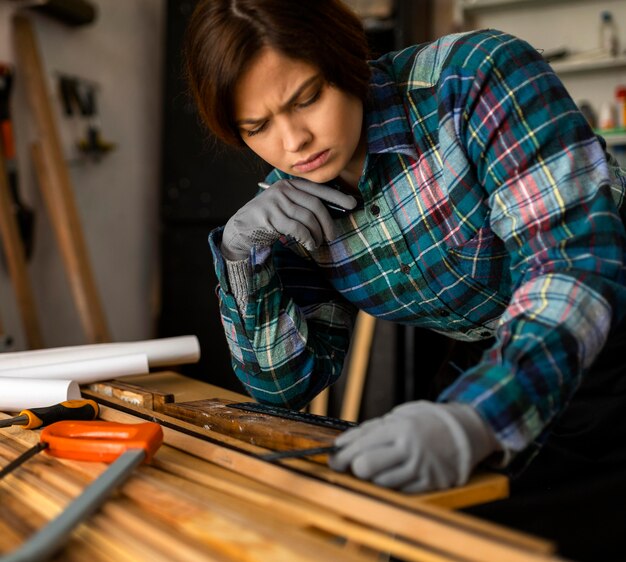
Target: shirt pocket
x,y
483,263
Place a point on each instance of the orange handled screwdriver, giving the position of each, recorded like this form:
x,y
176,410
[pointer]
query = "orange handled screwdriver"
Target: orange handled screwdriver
x,y
68,410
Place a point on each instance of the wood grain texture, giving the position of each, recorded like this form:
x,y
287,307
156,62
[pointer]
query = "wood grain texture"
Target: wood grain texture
x,y
357,367
133,394
481,488
451,534
155,516
275,433
54,181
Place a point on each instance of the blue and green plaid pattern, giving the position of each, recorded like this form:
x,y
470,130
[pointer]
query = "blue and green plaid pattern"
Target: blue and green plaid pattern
x,y
490,210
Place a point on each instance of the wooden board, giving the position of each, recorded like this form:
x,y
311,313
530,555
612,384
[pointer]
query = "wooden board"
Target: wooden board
x,y
201,500
451,535
156,516
55,184
133,394
482,487
260,429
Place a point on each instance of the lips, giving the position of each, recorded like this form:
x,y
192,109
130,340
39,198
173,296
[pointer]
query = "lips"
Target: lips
x,y
313,162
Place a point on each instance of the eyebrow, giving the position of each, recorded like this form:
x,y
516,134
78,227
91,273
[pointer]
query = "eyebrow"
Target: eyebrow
x,y
289,102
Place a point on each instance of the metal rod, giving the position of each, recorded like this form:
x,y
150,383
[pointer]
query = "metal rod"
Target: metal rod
x,y
48,540
298,453
21,459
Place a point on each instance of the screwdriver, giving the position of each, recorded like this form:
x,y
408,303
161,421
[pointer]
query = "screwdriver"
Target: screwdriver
x,y
68,410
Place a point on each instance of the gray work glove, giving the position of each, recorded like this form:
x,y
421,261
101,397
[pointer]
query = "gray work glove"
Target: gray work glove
x,y
291,208
418,446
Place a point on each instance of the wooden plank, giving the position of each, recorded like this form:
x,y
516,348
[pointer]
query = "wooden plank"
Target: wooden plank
x,y
238,526
133,394
194,469
480,489
267,500
55,184
451,534
319,404
357,368
183,388
183,522
17,521
16,262
252,427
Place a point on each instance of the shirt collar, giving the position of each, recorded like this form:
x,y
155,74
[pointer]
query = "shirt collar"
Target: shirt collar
x,y
388,129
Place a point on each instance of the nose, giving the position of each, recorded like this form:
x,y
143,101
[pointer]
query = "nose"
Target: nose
x,y
295,134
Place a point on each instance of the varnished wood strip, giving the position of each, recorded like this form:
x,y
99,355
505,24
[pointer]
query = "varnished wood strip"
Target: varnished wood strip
x,y
319,404
140,523
357,367
229,525
195,470
492,487
54,181
17,521
257,428
134,545
184,389
164,508
133,394
426,524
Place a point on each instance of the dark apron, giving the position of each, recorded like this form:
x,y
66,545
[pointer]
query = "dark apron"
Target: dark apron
x,y
574,490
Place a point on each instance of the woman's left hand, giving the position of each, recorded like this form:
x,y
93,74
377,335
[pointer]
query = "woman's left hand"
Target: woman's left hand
x,y
418,446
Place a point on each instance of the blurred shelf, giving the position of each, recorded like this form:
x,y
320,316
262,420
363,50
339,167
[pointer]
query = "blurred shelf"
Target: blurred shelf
x,y
477,5
613,137
604,63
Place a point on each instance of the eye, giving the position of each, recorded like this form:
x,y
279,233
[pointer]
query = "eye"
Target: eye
x,y
311,100
251,133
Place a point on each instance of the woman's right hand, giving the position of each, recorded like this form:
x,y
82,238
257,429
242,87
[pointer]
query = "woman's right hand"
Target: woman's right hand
x,y
290,208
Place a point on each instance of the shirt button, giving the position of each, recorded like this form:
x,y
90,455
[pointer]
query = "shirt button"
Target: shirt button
x,y
375,210
444,313
405,268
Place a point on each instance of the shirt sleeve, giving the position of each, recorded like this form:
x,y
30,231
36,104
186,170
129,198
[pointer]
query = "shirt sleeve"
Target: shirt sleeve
x,y
552,198
291,340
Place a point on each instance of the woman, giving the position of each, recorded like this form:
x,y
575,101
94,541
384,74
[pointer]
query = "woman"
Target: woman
x,y
479,204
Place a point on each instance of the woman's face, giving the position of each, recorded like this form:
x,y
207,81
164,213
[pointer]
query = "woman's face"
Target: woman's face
x,y
295,121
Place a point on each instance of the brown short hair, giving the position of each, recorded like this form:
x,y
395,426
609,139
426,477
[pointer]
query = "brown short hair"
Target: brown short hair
x,y
223,36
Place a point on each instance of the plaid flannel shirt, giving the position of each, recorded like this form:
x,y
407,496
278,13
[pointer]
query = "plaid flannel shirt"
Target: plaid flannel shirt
x,y
489,210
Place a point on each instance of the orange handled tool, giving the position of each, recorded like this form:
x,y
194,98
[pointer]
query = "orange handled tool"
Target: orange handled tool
x,y
68,410
125,445
100,441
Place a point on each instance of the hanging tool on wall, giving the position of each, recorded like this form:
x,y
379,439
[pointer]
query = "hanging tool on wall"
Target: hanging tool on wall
x,y
71,12
79,97
16,222
124,445
6,341
24,215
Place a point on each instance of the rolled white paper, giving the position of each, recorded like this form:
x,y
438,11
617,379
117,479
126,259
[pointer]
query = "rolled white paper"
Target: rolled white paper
x,y
160,352
18,394
86,371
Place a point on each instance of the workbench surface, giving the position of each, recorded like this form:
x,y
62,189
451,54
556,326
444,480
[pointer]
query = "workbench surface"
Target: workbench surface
x,y
206,496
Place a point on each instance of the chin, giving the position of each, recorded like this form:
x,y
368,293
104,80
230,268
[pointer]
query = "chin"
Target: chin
x,y
323,175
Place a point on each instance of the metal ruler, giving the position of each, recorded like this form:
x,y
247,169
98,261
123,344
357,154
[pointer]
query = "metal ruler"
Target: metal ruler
x,y
295,415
